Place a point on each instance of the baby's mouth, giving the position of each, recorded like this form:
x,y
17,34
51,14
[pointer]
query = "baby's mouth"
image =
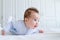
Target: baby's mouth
x,y
35,26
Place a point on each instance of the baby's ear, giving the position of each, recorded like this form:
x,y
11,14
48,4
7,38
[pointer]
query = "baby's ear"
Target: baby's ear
x,y
26,19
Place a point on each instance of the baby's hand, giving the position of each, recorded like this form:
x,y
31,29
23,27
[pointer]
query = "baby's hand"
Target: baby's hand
x,y
3,33
41,31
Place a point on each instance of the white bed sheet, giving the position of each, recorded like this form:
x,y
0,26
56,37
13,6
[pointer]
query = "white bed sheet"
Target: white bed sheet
x,y
44,36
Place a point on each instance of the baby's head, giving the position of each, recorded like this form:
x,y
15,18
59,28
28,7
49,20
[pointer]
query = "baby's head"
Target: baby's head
x,y
31,18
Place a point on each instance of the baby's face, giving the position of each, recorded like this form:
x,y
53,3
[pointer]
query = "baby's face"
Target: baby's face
x,y
33,20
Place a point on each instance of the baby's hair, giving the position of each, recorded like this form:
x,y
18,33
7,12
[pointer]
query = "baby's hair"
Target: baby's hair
x,y
29,11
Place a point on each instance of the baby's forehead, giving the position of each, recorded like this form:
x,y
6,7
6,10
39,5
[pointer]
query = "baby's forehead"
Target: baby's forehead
x,y
35,15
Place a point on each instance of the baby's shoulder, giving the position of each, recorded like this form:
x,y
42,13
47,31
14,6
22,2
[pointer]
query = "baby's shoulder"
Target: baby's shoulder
x,y
18,22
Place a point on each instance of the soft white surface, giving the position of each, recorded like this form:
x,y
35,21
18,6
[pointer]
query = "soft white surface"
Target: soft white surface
x,y
45,36
0,29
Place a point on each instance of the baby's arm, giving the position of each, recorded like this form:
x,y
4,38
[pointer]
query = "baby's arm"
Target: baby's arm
x,y
6,29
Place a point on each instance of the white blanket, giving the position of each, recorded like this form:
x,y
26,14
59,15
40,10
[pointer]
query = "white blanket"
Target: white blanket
x,y
45,36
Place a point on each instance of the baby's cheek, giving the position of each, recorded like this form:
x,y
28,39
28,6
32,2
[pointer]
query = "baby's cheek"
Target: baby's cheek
x,y
32,23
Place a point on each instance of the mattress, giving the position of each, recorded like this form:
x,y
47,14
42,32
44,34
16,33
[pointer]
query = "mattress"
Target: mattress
x,y
39,36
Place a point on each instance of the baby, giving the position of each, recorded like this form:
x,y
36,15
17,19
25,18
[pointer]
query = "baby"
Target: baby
x,y
24,27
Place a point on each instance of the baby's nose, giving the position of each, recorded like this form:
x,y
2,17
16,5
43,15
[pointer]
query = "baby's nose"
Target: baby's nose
x,y
36,23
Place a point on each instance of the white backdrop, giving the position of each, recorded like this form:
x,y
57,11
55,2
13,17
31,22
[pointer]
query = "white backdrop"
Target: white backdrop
x,y
49,11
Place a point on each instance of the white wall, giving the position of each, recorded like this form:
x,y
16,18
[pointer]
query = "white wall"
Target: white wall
x,y
49,11
1,11
8,10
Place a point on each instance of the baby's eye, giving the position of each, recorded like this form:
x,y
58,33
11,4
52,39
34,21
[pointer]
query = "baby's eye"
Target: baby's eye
x,y
35,19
